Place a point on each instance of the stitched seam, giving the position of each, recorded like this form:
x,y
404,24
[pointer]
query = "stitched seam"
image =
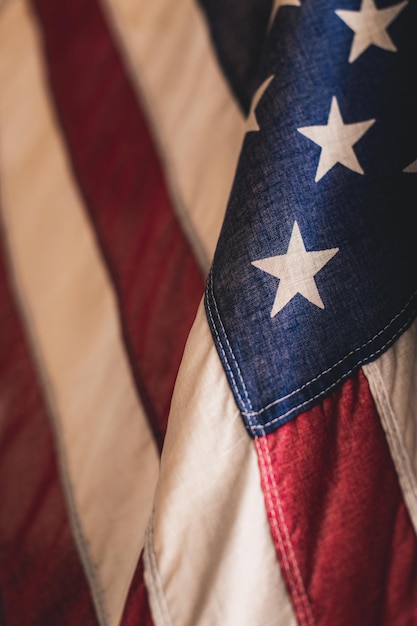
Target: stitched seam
x,y
401,458
300,599
250,414
142,93
153,581
400,330
219,342
299,406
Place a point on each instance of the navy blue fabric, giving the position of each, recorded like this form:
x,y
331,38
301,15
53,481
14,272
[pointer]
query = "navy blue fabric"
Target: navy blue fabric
x,y
280,366
238,33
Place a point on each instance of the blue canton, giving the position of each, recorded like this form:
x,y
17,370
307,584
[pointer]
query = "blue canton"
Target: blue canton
x,y
315,271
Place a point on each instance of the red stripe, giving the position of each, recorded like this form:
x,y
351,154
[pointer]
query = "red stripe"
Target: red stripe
x,y
343,535
41,579
158,281
137,611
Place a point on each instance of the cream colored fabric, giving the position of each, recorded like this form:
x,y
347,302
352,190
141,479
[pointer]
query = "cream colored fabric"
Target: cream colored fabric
x,y
209,555
108,458
194,116
393,382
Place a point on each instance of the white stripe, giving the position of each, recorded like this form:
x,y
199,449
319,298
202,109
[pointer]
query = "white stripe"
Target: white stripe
x,y
154,583
106,448
393,383
194,116
212,560
412,168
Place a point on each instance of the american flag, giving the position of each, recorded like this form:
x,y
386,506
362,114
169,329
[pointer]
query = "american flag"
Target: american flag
x,y
208,298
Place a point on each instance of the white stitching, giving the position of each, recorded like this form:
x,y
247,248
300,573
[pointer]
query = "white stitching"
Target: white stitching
x,y
159,608
300,599
223,352
278,419
227,341
210,282
250,414
399,451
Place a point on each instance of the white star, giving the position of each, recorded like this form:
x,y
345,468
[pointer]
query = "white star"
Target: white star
x,y
336,140
370,26
276,4
412,168
296,270
252,122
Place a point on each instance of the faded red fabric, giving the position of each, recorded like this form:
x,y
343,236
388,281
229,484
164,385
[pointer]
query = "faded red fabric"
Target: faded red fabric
x,y
152,265
343,535
41,577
